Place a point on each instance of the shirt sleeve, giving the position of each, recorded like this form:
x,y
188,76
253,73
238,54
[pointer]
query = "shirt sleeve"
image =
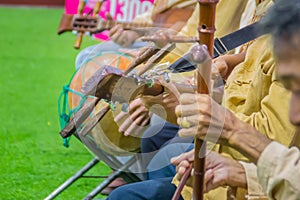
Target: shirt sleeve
x,y
279,171
254,189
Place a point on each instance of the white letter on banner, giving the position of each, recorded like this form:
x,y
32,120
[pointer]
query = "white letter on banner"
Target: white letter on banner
x,y
123,9
146,5
134,9
112,11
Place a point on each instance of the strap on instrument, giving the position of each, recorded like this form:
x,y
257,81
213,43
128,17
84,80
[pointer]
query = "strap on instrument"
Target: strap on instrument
x,y
221,46
64,110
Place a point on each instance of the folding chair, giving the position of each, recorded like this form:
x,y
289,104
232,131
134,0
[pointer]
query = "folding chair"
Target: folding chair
x,y
104,142
120,169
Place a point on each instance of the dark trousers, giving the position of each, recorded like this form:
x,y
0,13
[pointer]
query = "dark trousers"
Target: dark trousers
x,y
158,189
159,144
160,173
158,136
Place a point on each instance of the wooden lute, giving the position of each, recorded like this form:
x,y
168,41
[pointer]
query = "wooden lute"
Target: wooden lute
x,y
111,84
95,24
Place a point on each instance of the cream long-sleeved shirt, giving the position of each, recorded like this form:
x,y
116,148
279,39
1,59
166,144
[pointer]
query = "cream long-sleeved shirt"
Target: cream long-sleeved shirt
x,y
279,172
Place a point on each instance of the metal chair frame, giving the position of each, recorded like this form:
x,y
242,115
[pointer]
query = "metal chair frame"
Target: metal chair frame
x,y
119,170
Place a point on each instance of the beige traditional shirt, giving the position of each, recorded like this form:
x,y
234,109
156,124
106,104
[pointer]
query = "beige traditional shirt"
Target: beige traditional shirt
x,y
279,172
254,189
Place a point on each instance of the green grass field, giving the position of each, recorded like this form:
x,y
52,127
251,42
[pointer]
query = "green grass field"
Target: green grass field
x,y
35,64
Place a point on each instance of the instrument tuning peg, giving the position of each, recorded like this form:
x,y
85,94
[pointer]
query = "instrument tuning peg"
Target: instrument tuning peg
x,y
112,106
150,83
125,107
137,79
166,77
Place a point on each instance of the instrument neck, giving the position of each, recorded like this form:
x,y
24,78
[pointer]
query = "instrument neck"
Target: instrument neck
x,y
125,25
207,23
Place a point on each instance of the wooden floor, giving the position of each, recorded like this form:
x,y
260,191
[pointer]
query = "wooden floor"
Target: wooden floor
x,y
33,2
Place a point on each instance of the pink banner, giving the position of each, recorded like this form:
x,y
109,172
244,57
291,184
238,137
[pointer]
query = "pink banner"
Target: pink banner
x,y
120,10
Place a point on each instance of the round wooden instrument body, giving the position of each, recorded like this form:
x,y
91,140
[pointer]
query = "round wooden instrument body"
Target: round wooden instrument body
x,y
105,134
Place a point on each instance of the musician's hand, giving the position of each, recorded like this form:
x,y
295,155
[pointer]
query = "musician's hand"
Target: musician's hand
x,y
199,114
135,121
120,36
222,171
219,67
183,162
166,101
223,65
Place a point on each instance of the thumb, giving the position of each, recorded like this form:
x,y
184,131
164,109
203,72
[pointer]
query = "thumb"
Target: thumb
x,y
208,178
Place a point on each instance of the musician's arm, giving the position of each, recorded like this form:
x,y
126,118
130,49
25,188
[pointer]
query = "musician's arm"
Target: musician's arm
x,y
128,37
123,37
224,65
278,166
120,36
262,151
223,127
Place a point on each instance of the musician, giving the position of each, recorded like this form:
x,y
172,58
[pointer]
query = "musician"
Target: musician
x,y
139,116
258,102
270,115
121,38
253,92
278,167
129,39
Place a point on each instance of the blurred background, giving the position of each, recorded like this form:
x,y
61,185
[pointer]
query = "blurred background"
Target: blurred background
x,y
35,63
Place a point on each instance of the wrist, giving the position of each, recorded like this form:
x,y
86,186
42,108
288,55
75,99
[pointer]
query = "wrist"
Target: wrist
x,y
248,140
238,176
